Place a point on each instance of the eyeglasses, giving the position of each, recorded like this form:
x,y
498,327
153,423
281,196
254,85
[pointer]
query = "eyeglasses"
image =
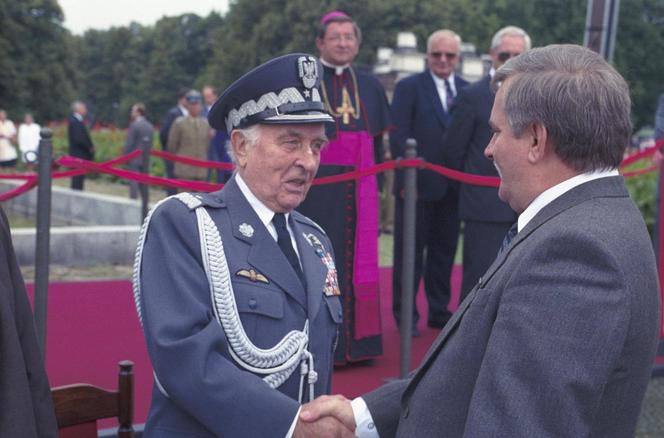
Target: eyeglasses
x,y
504,56
447,55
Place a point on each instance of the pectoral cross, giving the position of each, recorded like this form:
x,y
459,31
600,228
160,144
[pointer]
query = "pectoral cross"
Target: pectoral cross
x,y
346,109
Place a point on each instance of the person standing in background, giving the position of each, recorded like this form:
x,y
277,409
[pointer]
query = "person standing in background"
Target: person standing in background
x,y
139,136
80,143
28,140
190,136
421,108
8,153
348,211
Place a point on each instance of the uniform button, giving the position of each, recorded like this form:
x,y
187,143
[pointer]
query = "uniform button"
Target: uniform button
x,y
406,411
370,426
252,303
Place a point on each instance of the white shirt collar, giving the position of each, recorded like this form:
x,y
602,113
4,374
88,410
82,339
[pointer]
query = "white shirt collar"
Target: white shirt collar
x,y
262,210
492,71
440,82
550,194
338,69
78,117
184,110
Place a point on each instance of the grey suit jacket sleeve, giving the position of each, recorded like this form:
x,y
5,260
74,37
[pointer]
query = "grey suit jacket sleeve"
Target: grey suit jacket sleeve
x,y
132,139
554,342
384,404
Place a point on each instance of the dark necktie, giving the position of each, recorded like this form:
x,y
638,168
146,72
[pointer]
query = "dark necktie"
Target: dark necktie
x,y
511,234
284,242
449,99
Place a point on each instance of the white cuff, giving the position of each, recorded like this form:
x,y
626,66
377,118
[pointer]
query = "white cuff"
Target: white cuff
x,y
364,424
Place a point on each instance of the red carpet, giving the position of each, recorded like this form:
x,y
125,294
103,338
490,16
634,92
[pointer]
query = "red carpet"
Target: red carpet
x,y
93,325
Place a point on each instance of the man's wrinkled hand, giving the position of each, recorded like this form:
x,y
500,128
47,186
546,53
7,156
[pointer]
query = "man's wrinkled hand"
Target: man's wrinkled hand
x,y
336,406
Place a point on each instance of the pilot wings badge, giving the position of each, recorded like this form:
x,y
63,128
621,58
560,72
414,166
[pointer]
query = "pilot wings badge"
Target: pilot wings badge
x,y
331,287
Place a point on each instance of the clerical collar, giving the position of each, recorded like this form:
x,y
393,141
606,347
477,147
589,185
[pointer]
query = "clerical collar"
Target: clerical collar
x,y
338,69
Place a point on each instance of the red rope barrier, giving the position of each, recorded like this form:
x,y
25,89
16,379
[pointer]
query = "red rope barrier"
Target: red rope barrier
x,y
192,161
82,167
29,184
137,176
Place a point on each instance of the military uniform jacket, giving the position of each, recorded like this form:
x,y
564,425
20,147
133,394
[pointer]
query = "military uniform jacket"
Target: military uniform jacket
x,y
208,394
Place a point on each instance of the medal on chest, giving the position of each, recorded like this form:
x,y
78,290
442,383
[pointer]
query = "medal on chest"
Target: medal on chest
x,y
331,287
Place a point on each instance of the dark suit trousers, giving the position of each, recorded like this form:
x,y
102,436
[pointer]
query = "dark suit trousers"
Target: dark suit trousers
x,y
77,182
436,235
481,242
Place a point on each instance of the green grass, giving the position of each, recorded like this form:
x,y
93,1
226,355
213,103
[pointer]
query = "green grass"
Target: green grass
x,y
386,247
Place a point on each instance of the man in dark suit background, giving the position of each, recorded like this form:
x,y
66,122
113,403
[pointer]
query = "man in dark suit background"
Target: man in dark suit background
x,y
178,110
421,109
80,143
559,337
486,218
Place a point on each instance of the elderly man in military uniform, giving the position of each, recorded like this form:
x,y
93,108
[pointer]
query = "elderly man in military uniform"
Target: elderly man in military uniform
x,y
236,291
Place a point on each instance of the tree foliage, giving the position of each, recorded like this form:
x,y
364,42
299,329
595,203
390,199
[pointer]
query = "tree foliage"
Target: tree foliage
x,y
111,69
35,63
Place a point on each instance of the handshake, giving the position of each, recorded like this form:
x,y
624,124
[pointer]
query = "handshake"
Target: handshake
x,y
326,416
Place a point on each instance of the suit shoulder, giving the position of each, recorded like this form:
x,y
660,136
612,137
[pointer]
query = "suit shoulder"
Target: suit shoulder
x,y
304,220
477,90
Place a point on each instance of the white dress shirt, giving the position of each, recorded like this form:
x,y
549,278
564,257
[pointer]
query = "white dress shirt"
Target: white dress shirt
x,y
442,90
365,427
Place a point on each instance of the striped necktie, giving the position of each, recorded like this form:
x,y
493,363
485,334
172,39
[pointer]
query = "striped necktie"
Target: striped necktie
x,y
449,99
511,234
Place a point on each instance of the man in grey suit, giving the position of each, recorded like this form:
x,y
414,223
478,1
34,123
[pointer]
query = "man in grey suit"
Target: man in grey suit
x,y
559,336
139,136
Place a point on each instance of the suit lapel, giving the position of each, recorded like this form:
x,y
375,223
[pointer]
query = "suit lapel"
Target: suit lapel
x,y
314,270
431,92
264,254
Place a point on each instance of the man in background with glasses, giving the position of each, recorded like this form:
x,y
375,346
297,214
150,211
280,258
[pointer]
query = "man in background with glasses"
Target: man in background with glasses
x,y
421,109
486,218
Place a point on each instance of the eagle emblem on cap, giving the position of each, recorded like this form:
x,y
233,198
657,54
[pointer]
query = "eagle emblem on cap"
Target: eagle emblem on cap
x,y
307,68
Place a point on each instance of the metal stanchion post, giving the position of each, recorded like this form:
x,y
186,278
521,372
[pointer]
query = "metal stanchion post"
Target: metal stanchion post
x,y
144,189
408,266
45,157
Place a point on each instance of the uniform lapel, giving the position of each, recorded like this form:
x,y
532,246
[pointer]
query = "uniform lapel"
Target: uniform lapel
x,y
431,92
314,270
264,254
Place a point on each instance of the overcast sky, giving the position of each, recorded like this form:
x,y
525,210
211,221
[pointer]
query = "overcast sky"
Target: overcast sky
x,y
81,15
